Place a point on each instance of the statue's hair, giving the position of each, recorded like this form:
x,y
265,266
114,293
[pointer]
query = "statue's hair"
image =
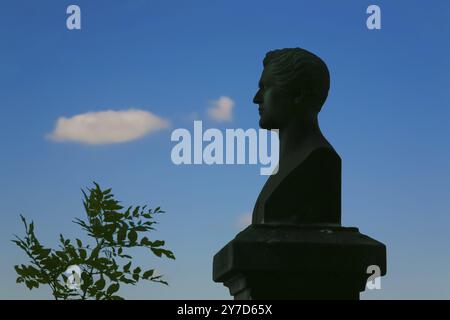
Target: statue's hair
x,y
300,71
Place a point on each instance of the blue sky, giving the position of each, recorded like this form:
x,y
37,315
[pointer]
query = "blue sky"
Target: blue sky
x,y
387,115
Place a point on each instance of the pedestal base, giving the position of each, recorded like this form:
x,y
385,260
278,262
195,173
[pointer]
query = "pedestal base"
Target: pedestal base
x,y
298,262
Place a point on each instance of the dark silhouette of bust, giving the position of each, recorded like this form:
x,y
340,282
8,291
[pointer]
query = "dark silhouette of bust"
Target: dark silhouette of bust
x,y
307,187
295,247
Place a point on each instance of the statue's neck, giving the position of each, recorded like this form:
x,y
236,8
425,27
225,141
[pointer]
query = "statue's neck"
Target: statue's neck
x,y
298,136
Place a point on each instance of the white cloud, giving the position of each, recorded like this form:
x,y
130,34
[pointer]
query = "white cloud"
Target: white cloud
x,y
221,109
243,221
105,127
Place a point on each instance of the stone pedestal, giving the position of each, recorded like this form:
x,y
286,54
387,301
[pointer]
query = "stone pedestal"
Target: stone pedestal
x,y
269,261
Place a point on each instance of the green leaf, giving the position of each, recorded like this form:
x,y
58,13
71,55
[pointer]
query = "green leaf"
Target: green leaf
x,y
137,270
20,271
79,243
32,271
169,254
113,288
87,279
95,253
157,252
96,185
100,284
158,243
44,253
31,228
160,252
29,284
159,281
62,255
112,205
127,212
145,241
112,216
136,212
132,235
82,253
122,234
126,280
147,274
126,267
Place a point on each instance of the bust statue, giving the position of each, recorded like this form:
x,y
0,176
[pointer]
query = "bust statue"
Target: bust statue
x,y
306,190
295,247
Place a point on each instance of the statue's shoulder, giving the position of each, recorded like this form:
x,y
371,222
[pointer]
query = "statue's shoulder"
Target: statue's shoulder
x,y
316,154
322,153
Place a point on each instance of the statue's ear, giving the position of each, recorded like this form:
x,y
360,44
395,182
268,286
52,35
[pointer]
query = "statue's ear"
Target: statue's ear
x,y
304,99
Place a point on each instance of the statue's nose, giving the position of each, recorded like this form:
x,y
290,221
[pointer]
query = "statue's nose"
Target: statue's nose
x,y
257,98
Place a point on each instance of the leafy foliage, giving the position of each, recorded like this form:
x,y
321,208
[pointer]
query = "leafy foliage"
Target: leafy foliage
x,y
105,262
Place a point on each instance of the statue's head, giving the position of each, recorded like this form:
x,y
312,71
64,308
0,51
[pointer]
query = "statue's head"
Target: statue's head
x,y
293,86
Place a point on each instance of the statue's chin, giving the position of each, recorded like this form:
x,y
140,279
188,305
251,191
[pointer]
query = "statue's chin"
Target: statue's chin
x,y
265,125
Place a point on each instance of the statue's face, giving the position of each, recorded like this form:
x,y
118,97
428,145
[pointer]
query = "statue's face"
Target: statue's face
x,y
275,104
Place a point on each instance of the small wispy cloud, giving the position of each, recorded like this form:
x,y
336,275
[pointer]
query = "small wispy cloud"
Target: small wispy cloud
x,y
107,127
222,109
243,221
